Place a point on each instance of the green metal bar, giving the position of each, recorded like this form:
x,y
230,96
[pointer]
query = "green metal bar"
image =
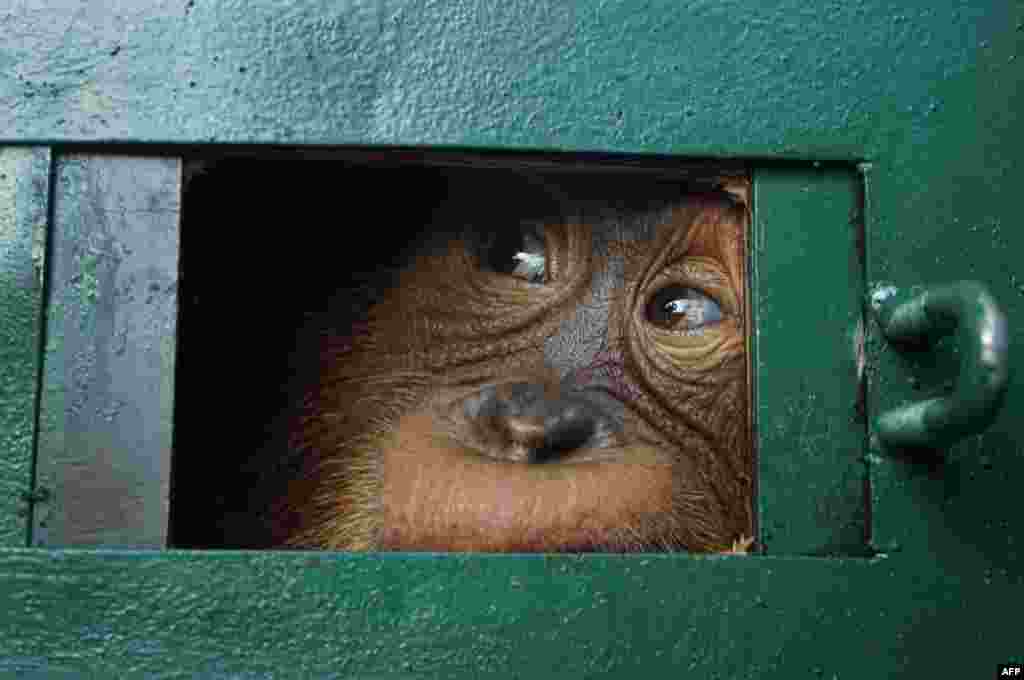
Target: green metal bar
x,y
24,201
968,309
102,473
809,434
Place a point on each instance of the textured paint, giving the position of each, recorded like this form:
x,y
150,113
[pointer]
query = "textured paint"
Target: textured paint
x,y
944,205
930,92
260,615
105,424
808,287
24,193
736,77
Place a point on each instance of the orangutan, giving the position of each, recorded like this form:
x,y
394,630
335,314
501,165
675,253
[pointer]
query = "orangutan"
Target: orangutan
x,y
522,381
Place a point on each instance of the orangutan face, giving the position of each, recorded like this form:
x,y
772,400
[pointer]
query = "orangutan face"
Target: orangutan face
x,y
551,385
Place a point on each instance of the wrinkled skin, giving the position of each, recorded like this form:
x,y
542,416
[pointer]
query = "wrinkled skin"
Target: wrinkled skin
x,y
463,408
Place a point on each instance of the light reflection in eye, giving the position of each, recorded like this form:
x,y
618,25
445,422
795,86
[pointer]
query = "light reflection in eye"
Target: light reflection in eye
x,y
530,266
678,306
519,252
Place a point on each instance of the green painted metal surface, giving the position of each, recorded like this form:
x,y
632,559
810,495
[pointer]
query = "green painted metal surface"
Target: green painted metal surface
x,y
24,196
736,78
929,93
967,309
104,447
944,206
256,615
808,291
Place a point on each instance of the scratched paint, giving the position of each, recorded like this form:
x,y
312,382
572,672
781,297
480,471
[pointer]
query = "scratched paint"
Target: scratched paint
x,y
24,188
8,199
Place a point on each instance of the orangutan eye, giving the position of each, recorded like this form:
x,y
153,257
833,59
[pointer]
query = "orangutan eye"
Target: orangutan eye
x,y
519,252
677,307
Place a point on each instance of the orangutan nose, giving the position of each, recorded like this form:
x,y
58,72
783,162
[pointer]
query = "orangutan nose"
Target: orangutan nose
x,y
536,426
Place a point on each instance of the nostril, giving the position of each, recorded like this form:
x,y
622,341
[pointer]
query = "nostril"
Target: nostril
x,y
567,426
525,422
